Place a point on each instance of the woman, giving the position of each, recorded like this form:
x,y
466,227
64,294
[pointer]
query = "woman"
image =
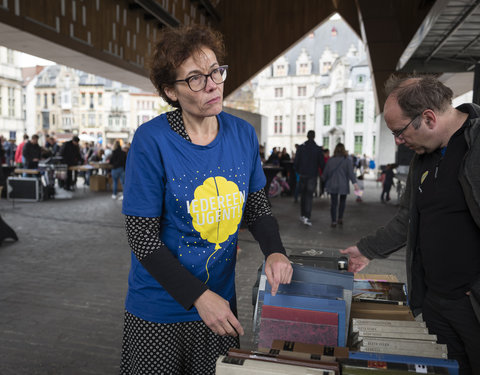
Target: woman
x,y
337,174
118,160
191,175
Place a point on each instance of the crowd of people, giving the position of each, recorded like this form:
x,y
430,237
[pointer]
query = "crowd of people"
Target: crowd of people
x,y
29,153
310,172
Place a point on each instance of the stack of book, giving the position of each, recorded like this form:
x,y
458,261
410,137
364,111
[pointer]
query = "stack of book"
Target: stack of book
x,y
314,308
286,357
395,337
380,297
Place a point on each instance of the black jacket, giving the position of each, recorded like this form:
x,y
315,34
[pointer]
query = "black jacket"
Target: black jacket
x,y
309,159
118,158
31,151
70,153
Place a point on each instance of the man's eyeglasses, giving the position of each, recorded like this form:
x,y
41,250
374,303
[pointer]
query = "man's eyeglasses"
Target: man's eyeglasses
x,y
398,133
199,81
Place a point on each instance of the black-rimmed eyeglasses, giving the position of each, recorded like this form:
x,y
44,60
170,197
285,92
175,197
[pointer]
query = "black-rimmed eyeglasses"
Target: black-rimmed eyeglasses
x,y
198,82
398,133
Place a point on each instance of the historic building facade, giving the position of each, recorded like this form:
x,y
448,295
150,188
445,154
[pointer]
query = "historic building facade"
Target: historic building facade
x,y
12,121
71,102
323,84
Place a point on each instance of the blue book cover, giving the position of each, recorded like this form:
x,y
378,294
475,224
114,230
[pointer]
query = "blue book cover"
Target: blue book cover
x,y
311,303
329,277
301,288
450,364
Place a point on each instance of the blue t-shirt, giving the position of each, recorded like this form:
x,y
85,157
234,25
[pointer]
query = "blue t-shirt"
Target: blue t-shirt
x,y
200,194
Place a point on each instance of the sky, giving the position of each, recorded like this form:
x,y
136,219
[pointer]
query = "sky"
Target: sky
x,y
30,60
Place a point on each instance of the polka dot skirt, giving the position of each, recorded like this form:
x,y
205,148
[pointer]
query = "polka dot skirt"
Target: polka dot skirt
x,y
171,349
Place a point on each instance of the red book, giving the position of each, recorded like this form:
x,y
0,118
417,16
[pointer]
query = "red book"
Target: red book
x,y
308,326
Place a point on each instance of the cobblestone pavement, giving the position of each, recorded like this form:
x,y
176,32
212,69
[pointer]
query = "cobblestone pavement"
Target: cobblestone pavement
x,y
63,283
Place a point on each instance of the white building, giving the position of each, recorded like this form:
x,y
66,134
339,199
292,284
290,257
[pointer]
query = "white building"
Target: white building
x,y
345,106
12,122
322,84
71,102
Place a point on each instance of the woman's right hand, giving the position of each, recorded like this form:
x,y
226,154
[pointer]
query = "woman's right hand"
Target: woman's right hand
x,y
216,314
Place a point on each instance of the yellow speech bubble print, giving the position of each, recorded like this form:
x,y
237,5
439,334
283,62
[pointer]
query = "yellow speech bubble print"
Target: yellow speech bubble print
x,y
216,210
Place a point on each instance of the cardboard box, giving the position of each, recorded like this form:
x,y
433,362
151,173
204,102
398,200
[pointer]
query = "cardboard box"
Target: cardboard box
x,y
110,184
98,182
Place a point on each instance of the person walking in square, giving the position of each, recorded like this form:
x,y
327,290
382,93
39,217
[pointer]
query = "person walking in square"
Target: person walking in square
x,y
337,175
308,160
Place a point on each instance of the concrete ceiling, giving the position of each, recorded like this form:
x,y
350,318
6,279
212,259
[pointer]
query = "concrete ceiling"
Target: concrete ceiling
x,y
429,36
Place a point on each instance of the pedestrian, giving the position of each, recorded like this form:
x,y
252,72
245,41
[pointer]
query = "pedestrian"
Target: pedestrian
x,y
118,159
337,176
19,160
439,216
387,183
70,152
32,153
191,175
308,160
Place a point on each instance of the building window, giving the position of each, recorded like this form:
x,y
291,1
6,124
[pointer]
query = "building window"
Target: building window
x,y
45,100
13,134
303,68
326,66
91,100
302,91
325,142
280,70
278,125
83,119
53,119
338,111
9,56
278,92
91,120
83,99
374,145
359,105
100,119
360,78
326,115
11,102
357,147
301,124
100,99
53,99
39,100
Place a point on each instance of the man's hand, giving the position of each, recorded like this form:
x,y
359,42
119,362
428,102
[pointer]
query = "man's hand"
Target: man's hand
x,y
357,261
278,270
216,314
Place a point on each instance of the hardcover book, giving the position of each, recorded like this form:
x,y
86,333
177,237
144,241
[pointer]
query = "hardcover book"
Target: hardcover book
x,y
379,291
227,365
315,304
314,327
302,347
381,322
360,335
449,364
276,358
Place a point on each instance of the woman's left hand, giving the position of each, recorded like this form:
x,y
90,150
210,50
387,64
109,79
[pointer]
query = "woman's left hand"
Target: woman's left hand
x,y
278,270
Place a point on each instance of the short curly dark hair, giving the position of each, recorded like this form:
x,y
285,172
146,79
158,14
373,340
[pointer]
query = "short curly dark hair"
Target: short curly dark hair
x,y
174,47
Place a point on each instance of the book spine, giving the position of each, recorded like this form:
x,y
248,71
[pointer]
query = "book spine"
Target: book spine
x,y
395,323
